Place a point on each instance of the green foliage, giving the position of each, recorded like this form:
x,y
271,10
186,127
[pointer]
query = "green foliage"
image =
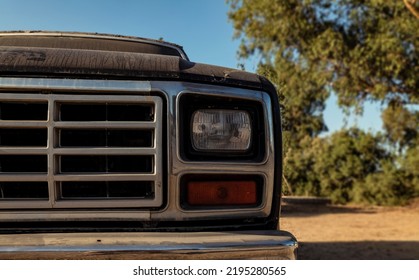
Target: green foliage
x,y
410,168
383,188
401,125
360,50
348,157
299,167
302,100
345,167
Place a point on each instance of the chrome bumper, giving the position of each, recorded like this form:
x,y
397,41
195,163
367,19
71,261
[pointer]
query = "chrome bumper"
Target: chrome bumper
x,y
270,244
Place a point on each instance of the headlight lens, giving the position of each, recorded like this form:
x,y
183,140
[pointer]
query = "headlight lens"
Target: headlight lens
x,y
221,130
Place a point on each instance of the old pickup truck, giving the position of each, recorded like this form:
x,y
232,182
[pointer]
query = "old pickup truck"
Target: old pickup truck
x,y
121,147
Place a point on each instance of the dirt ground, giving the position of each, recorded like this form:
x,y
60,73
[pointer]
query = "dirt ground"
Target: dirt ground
x,y
344,232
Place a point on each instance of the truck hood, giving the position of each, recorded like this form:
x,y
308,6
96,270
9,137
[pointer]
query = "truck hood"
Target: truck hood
x,y
80,63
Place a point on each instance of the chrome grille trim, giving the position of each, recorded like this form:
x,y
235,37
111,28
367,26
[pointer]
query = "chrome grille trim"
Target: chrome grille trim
x,y
53,151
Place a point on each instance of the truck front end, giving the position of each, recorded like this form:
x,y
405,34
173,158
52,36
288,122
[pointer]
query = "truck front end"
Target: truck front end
x,y
120,146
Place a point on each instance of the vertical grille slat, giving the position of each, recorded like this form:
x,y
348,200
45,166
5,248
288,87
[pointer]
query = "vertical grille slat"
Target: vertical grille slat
x,y
80,151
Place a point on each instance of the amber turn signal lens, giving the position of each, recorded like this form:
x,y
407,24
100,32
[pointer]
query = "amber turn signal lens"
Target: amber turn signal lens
x,y
221,193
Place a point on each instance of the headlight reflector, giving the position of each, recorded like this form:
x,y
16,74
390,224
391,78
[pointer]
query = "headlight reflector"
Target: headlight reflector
x,y
221,130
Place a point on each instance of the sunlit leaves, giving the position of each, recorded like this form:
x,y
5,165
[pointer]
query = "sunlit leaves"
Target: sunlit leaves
x,y
360,50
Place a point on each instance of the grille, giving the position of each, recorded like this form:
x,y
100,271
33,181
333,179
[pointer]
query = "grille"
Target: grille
x,y
80,151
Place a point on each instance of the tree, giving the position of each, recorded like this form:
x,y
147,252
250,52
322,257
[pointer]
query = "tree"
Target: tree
x,y
330,166
349,165
347,158
401,126
302,100
360,50
299,167
409,166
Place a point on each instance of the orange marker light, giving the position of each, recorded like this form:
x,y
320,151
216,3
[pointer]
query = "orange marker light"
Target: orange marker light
x,y
221,193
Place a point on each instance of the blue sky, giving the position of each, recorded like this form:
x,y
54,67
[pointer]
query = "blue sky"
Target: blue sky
x,y
200,26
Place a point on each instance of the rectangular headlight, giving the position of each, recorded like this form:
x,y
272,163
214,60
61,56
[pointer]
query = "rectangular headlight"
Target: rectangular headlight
x,y
221,130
